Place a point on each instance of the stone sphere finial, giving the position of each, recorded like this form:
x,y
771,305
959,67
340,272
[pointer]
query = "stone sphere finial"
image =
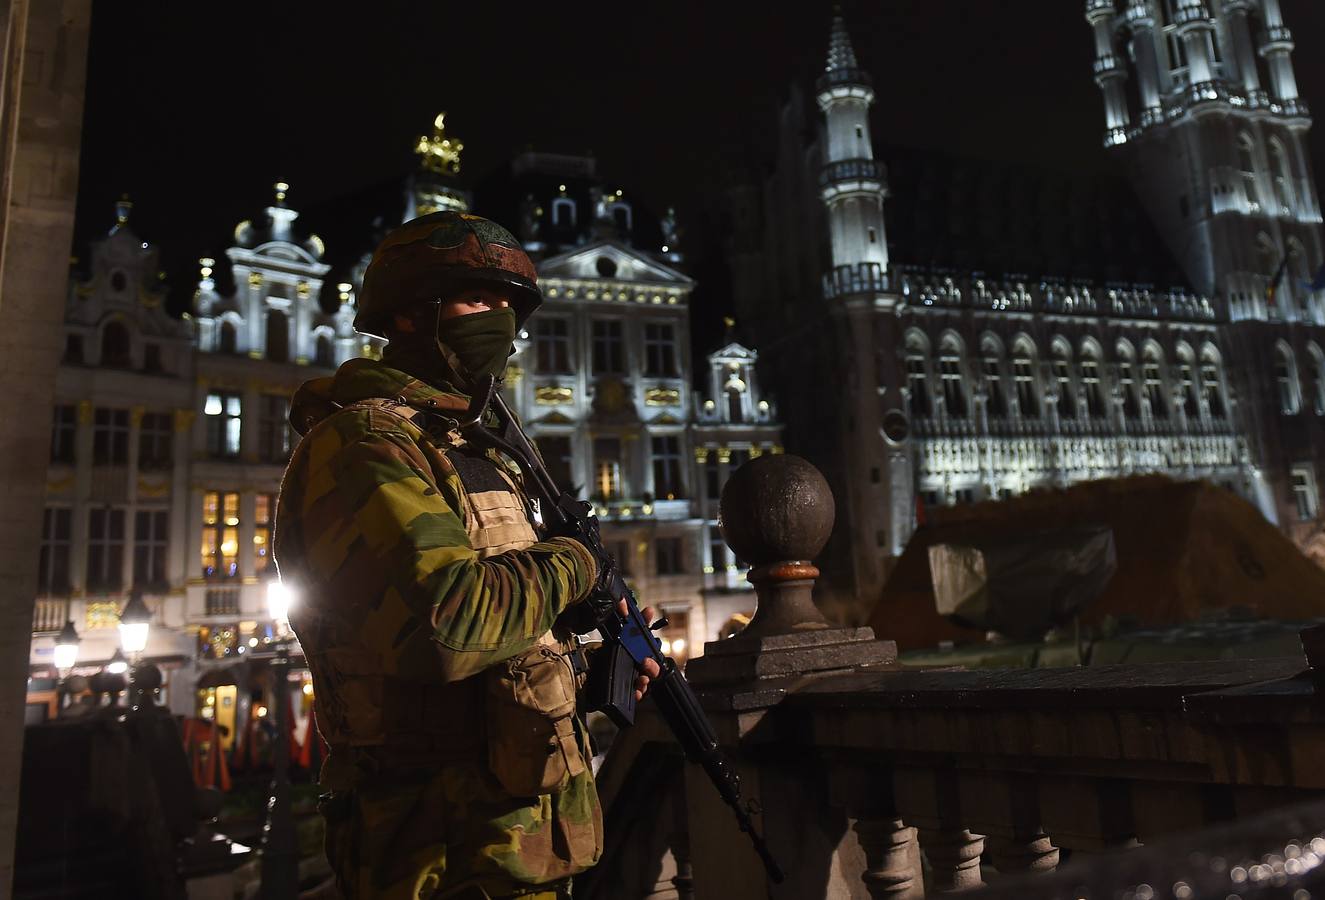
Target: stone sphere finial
x,y
776,508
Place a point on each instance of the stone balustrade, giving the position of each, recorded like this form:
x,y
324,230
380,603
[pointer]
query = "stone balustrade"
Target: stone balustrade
x,y
870,781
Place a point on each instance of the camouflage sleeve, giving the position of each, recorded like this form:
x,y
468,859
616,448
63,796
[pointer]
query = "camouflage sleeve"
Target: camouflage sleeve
x,y
380,526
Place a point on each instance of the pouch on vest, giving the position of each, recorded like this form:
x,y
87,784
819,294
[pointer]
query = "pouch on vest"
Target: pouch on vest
x,y
532,745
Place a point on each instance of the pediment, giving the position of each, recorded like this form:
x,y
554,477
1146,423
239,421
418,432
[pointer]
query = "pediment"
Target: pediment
x,y
610,260
733,350
284,250
556,418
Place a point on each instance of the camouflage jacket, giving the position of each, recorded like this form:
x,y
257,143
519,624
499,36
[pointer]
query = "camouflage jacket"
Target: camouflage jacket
x,y
400,616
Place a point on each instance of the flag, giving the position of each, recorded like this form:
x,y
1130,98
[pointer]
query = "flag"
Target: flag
x,y
1277,277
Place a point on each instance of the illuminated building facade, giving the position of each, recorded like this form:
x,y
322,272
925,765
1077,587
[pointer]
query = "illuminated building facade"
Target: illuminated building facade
x,y
170,435
933,381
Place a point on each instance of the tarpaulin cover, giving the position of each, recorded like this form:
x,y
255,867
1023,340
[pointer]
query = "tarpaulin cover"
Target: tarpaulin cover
x,y
1022,586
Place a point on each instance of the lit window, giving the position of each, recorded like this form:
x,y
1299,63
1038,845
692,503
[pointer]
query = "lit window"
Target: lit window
x,y
263,513
224,422
220,535
1305,496
607,468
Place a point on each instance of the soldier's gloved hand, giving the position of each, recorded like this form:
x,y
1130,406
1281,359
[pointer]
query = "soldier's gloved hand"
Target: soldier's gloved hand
x,y
586,615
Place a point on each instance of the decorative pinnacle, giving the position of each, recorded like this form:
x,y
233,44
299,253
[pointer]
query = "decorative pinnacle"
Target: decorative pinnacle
x,y
123,207
840,53
440,153
281,188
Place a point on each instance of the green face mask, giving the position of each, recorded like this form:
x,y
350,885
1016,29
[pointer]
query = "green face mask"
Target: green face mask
x,y
481,341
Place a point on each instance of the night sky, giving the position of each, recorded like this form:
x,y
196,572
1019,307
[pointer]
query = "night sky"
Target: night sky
x,y
196,113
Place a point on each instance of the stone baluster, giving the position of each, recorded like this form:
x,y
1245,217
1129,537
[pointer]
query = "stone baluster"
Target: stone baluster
x,y
891,858
954,858
1032,853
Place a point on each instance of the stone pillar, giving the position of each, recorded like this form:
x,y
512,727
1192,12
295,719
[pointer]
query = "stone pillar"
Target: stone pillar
x,y
776,513
41,112
1031,853
954,858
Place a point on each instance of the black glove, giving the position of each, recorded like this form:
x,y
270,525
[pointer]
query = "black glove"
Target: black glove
x,y
597,605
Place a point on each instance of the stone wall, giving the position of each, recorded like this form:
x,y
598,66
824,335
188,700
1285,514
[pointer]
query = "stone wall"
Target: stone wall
x,y
42,77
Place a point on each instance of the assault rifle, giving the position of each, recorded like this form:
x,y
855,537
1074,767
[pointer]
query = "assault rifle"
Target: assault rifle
x,y
628,641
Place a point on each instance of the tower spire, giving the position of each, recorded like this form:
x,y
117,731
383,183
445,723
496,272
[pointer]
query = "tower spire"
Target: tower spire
x,y
841,55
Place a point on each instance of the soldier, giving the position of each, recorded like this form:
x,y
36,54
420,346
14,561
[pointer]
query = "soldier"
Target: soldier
x,y
458,765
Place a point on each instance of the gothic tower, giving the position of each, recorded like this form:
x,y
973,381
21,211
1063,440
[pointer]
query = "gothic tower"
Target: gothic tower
x,y
1201,95
874,452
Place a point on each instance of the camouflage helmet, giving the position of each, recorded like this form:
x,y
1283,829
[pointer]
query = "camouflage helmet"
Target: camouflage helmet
x,y
424,257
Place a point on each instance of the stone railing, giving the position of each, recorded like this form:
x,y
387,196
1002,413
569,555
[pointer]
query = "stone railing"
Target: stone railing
x,y
49,614
870,781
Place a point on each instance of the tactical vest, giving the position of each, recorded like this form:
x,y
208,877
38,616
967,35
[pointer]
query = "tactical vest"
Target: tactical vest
x,y
518,715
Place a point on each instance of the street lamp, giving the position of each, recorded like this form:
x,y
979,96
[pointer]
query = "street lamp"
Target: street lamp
x,y
66,648
66,654
280,597
118,665
134,624
280,851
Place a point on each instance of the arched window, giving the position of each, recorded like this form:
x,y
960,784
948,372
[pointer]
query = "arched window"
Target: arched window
x,y
950,376
1152,375
1187,381
1023,378
1212,383
1317,363
563,212
1127,380
1279,172
278,336
622,216
1067,401
1091,386
115,345
323,355
1285,377
227,338
991,371
1247,166
917,374
1297,260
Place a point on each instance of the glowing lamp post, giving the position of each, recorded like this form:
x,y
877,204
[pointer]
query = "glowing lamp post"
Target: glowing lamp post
x,y
118,665
66,654
280,855
135,622
66,648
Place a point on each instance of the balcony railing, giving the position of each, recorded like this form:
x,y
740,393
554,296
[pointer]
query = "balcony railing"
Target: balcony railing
x,y
221,601
851,170
861,278
839,77
857,769
49,614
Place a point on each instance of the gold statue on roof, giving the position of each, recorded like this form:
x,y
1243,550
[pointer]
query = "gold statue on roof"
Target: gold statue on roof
x,y
440,153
